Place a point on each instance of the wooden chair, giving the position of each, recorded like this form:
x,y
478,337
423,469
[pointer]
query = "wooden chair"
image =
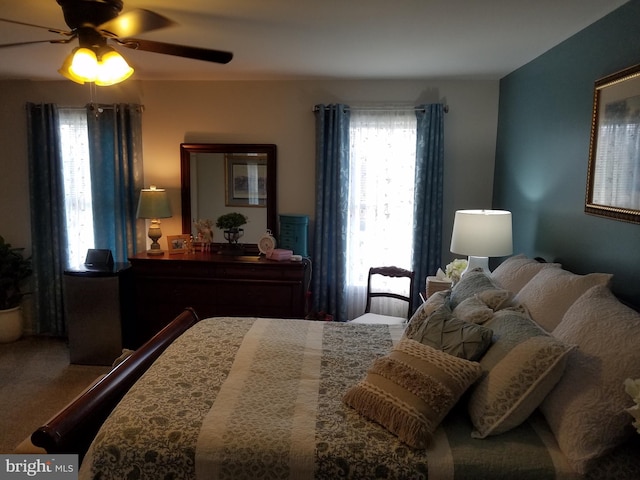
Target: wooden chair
x,y
393,272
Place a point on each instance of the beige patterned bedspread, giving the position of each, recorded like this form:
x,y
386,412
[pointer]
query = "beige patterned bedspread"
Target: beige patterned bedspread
x,y
245,398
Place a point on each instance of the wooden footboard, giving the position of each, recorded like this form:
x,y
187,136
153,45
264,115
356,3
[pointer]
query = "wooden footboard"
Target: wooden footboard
x,y
73,428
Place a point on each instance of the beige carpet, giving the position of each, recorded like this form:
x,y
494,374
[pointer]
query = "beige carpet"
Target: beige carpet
x,y
36,380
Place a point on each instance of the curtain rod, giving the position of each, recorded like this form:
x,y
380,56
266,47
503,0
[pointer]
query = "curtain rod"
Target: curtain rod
x,y
445,108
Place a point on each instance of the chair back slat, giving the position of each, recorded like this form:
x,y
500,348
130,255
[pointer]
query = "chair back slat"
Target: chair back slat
x,y
393,272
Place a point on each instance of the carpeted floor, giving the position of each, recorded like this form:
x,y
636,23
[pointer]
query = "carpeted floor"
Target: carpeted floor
x,y
36,380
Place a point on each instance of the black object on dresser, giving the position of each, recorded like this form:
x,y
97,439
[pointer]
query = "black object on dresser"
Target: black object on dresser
x,y
215,285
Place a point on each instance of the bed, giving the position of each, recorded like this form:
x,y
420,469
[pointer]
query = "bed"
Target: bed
x,y
233,397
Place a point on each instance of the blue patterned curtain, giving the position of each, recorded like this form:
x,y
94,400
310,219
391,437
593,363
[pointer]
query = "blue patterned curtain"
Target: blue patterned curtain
x,y
116,170
48,234
115,143
330,246
427,214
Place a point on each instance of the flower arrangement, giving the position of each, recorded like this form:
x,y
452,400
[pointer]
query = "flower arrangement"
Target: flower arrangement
x,y
230,224
205,230
632,387
454,270
231,220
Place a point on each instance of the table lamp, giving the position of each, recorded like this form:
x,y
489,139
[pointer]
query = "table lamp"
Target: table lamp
x,y
154,204
481,234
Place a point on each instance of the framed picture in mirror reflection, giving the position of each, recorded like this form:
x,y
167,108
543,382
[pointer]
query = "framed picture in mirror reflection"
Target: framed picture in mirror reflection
x,y
246,180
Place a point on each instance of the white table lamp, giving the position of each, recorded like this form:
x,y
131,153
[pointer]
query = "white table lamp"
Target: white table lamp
x,y
481,234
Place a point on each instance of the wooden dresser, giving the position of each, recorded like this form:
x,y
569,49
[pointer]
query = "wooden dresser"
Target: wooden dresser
x,y
214,285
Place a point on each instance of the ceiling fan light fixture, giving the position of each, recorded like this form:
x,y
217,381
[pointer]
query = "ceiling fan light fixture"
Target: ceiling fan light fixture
x,y
66,72
112,69
82,65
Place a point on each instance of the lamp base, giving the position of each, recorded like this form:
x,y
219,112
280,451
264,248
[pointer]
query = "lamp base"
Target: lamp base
x,y
154,234
477,262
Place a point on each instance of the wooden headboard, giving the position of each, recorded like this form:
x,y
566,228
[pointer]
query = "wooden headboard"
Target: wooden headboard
x,y
72,429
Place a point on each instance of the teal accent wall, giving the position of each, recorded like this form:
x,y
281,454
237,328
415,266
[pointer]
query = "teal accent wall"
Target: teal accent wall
x,y
542,153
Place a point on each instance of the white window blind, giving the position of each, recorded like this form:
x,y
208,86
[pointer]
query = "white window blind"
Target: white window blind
x,y
74,140
617,166
382,172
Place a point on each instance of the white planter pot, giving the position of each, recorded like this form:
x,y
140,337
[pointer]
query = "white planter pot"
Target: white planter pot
x,y
10,324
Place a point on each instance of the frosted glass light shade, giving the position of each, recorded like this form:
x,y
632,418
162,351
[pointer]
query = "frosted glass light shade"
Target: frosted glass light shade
x,y
84,65
112,69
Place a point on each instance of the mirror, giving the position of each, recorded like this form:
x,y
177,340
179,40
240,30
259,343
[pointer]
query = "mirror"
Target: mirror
x,y
218,178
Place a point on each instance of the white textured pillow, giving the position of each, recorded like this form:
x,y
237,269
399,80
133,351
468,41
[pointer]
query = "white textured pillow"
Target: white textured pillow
x,y
477,282
551,292
515,272
473,310
521,367
586,409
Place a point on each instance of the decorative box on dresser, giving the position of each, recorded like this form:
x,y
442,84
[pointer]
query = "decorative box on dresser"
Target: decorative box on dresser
x,y
215,285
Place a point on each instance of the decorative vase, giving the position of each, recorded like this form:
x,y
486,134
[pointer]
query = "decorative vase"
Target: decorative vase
x,y
10,324
233,234
233,247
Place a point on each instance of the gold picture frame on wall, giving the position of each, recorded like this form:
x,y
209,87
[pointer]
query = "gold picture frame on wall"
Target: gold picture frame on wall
x,y
613,176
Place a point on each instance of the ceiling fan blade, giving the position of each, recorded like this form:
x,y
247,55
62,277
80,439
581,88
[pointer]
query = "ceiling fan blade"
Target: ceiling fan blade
x,y
197,53
134,22
19,44
52,30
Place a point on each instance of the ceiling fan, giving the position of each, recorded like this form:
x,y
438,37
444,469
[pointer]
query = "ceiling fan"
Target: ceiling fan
x,y
96,22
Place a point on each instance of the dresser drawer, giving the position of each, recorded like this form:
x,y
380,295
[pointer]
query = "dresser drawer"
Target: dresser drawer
x,y
215,285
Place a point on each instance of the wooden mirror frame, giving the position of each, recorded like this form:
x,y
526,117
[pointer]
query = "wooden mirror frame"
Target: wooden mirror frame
x,y
186,149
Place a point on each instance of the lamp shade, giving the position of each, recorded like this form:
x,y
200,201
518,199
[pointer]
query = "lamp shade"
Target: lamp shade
x,y
112,69
482,233
154,203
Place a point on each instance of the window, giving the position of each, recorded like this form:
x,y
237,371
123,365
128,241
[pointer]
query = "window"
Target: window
x,y
74,140
382,176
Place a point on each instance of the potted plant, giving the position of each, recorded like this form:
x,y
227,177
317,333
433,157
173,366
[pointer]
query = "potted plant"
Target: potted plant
x,y
14,270
230,224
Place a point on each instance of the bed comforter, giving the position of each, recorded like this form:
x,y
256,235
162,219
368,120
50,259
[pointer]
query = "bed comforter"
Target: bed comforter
x,y
237,398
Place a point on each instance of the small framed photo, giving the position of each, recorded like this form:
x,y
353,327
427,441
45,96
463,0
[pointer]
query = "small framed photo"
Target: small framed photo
x,y
246,180
177,243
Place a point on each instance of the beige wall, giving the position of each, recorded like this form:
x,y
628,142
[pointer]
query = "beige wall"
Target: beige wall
x,y
277,112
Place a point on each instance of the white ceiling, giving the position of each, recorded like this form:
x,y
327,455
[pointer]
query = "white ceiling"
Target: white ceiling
x,y
348,39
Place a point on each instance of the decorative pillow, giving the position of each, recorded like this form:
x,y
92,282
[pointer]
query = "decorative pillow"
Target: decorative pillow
x,y
411,390
515,272
521,367
586,410
443,331
473,310
496,299
432,303
477,282
551,292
